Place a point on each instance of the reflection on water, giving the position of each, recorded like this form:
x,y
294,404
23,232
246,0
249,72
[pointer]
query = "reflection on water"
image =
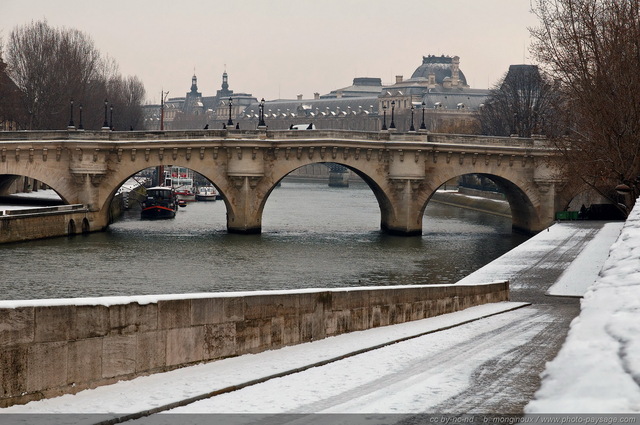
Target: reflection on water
x,y
313,236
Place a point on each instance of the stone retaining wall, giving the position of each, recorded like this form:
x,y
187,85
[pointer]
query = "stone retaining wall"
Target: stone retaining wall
x,y
70,345
46,222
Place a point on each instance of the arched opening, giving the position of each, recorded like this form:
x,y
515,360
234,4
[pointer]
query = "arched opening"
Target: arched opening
x,y
323,195
86,228
588,204
166,187
24,192
492,194
71,228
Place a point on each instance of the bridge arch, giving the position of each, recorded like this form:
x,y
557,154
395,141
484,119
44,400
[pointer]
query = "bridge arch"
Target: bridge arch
x,y
520,196
8,180
116,180
376,185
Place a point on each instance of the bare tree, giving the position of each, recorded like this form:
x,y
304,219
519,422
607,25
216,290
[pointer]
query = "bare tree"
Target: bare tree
x,y
127,95
52,66
592,48
520,104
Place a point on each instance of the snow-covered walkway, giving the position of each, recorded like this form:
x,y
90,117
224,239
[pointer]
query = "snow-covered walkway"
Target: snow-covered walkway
x,y
598,367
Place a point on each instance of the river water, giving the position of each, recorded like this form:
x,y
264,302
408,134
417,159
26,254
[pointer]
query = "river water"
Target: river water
x,y
313,236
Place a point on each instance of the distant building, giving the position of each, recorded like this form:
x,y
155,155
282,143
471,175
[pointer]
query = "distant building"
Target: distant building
x,y
437,89
195,111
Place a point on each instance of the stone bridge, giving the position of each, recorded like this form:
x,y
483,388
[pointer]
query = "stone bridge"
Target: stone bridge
x,y
402,169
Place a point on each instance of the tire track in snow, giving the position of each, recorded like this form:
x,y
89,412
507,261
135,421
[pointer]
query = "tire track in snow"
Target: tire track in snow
x,y
448,357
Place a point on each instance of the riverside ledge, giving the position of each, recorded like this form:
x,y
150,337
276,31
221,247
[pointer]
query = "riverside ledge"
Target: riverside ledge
x,y
53,347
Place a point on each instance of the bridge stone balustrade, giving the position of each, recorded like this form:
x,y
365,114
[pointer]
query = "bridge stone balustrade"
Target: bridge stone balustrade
x,y
53,347
402,169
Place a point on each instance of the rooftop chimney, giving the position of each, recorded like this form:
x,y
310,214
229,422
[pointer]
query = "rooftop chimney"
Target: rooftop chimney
x,y
398,79
299,97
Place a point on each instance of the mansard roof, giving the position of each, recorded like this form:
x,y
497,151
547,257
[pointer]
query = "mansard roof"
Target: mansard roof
x,y
316,107
362,86
440,98
440,66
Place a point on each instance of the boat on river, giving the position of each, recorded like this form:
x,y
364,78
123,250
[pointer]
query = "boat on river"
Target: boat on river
x,y
207,193
185,194
159,203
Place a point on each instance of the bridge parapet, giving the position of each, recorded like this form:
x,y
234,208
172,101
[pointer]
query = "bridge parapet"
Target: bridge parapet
x,y
274,135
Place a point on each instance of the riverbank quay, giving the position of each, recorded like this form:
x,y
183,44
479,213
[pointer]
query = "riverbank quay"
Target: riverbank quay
x,y
479,203
57,346
598,368
535,264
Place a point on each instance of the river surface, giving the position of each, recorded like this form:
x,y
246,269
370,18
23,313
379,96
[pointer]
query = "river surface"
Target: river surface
x,y
313,236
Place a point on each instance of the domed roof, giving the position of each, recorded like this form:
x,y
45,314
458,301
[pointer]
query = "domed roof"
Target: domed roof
x,y
441,66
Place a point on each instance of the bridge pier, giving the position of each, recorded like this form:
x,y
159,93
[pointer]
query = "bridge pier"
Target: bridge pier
x,y
244,212
403,216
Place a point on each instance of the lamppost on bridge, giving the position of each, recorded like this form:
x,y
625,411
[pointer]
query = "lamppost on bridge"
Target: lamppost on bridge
x,y
71,125
230,122
384,117
111,117
412,128
80,126
423,126
261,123
393,107
105,124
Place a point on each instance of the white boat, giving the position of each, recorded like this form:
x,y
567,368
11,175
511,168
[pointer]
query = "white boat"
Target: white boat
x,y
206,193
184,193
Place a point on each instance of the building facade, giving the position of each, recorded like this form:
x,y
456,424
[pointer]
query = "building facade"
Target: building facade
x,y
435,98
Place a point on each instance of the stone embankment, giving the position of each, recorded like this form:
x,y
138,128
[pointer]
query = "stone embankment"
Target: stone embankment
x,y
53,347
39,223
473,200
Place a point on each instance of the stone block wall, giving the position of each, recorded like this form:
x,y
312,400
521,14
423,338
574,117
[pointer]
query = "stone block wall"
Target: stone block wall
x,y
50,350
47,222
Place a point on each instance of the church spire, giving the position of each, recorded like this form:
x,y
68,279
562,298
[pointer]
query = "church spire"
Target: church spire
x,y
225,83
194,84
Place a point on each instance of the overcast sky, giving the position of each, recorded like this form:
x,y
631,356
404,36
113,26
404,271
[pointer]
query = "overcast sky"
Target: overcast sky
x,y
281,48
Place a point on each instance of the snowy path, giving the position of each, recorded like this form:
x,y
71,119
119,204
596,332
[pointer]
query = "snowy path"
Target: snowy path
x,y
414,376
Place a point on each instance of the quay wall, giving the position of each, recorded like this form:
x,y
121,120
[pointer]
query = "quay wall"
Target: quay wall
x,y
473,201
46,222
54,347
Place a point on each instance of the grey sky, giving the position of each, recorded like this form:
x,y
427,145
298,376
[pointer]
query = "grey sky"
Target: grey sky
x,y
281,48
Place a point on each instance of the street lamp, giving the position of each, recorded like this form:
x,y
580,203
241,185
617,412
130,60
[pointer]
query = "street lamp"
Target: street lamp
x,y
230,122
261,123
626,188
384,117
105,124
71,125
393,107
412,128
423,126
111,117
80,126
